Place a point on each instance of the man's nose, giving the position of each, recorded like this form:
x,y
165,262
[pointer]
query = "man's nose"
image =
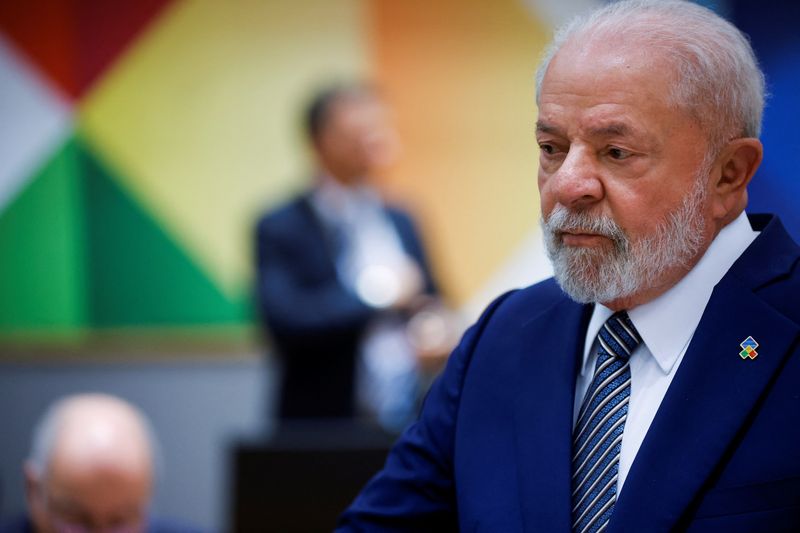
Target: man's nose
x,y
578,183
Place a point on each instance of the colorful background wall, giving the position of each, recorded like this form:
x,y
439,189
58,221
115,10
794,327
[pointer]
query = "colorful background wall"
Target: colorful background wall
x,y
140,139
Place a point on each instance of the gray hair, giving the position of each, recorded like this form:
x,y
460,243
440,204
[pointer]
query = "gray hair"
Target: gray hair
x,y
718,78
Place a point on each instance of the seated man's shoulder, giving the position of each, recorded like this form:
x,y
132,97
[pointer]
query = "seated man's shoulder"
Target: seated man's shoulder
x,y
168,525
17,524
21,524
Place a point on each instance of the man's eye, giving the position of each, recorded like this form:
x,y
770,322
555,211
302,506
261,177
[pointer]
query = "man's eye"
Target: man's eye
x,y
618,153
547,148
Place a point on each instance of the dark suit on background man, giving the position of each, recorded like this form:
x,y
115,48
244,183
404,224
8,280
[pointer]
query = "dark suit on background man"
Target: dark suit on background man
x,y
492,449
316,322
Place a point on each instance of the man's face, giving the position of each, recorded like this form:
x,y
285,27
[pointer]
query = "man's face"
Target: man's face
x,y
78,498
357,139
619,168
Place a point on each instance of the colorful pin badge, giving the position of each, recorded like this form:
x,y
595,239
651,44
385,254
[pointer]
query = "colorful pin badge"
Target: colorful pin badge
x,y
749,346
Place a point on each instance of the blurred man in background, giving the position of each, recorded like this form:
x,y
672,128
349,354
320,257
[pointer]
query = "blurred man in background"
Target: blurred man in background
x,y
91,468
341,274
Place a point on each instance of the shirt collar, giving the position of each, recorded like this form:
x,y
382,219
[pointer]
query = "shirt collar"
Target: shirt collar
x,y
334,201
667,323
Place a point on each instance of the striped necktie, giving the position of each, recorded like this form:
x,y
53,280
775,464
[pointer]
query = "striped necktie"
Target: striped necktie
x,y
597,437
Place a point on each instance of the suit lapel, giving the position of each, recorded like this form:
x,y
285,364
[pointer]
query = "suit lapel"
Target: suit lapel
x,y
709,400
325,236
543,414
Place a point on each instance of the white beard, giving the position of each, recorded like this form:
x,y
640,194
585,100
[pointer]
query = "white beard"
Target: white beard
x,y
629,267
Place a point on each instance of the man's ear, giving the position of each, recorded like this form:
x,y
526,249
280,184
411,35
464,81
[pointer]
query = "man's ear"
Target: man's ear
x,y
737,163
32,480
35,498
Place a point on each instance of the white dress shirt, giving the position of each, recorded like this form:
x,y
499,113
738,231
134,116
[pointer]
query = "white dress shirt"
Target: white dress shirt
x,y
666,326
386,368
370,238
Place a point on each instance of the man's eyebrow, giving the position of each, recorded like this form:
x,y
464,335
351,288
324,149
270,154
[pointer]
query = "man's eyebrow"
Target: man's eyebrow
x,y
609,130
544,127
606,130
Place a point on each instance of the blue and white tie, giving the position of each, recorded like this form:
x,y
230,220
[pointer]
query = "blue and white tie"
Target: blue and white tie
x,y
597,437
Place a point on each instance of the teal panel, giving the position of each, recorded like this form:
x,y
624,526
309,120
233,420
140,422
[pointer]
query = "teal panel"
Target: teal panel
x,y
139,275
42,277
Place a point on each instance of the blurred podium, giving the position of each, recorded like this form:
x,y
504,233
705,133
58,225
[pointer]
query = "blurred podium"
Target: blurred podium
x,y
303,477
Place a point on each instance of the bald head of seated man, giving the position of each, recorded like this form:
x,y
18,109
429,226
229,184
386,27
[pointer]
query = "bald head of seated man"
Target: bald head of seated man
x,y
91,468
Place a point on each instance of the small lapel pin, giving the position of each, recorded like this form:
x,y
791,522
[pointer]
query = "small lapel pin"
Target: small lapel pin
x,y
749,346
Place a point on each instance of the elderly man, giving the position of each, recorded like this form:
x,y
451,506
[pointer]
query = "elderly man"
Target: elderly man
x,y
653,386
91,469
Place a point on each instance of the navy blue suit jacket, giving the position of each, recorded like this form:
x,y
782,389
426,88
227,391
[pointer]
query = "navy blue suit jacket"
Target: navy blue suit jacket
x,y
22,524
491,449
315,322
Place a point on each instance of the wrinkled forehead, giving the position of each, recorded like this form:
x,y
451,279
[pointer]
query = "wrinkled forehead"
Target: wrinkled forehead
x,y
595,59
615,72
583,72
602,90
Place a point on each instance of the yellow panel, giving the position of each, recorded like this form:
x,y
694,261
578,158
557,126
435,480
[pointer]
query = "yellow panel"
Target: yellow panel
x,y
201,116
460,74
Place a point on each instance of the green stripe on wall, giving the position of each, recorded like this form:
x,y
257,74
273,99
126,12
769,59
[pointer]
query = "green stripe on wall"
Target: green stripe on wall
x,y
42,276
139,275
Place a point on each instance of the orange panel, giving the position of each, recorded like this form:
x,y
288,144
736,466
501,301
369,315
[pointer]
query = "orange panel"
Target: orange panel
x,y
459,74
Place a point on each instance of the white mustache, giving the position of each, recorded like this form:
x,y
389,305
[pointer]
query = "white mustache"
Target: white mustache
x,y
563,220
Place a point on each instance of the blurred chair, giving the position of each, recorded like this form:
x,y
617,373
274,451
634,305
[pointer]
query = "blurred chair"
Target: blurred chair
x,y
303,478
